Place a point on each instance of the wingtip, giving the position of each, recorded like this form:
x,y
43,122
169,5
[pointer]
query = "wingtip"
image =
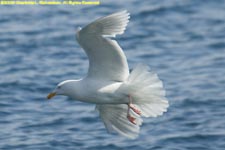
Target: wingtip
x,y
125,13
110,25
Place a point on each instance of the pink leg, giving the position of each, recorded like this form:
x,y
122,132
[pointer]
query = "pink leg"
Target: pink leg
x,y
137,111
131,106
131,119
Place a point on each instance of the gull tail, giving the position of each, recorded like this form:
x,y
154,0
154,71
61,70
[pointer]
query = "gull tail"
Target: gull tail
x,y
115,120
146,90
148,96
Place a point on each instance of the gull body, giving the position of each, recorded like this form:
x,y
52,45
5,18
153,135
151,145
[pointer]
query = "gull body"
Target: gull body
x,y
121,97
92,91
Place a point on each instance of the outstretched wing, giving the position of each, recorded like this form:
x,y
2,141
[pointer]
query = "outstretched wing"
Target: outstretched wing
x,y
106,58
115,120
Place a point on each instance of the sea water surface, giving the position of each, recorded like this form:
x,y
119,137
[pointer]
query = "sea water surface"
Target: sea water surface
x,y
182,40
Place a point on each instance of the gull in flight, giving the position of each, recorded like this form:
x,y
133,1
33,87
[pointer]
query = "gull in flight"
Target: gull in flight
x,y
122,98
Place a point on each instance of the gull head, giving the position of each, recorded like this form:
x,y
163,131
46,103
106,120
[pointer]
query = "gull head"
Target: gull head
x,y
63,88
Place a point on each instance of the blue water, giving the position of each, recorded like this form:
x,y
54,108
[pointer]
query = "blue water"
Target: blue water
x,y
183,41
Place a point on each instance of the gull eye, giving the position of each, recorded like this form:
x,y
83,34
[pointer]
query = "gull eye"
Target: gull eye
x,y
59,87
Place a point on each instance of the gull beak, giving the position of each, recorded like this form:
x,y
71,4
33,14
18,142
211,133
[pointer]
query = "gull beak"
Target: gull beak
x,y
50,95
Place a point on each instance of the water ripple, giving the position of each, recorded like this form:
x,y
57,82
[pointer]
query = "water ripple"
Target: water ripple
x,y
183,41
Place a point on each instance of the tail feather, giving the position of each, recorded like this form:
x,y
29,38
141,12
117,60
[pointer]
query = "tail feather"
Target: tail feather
x,y
152,110
148,96
146,90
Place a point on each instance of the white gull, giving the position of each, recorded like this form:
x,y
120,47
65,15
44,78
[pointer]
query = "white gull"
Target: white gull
x,y
122,98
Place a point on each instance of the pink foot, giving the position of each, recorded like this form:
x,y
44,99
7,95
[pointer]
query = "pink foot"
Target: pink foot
x,y
135,109
131,119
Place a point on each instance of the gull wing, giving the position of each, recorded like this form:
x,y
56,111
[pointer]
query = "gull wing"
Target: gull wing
x,y
115,120
106,58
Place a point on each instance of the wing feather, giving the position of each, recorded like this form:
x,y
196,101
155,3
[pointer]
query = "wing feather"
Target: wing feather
x,y
106,58
115,120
